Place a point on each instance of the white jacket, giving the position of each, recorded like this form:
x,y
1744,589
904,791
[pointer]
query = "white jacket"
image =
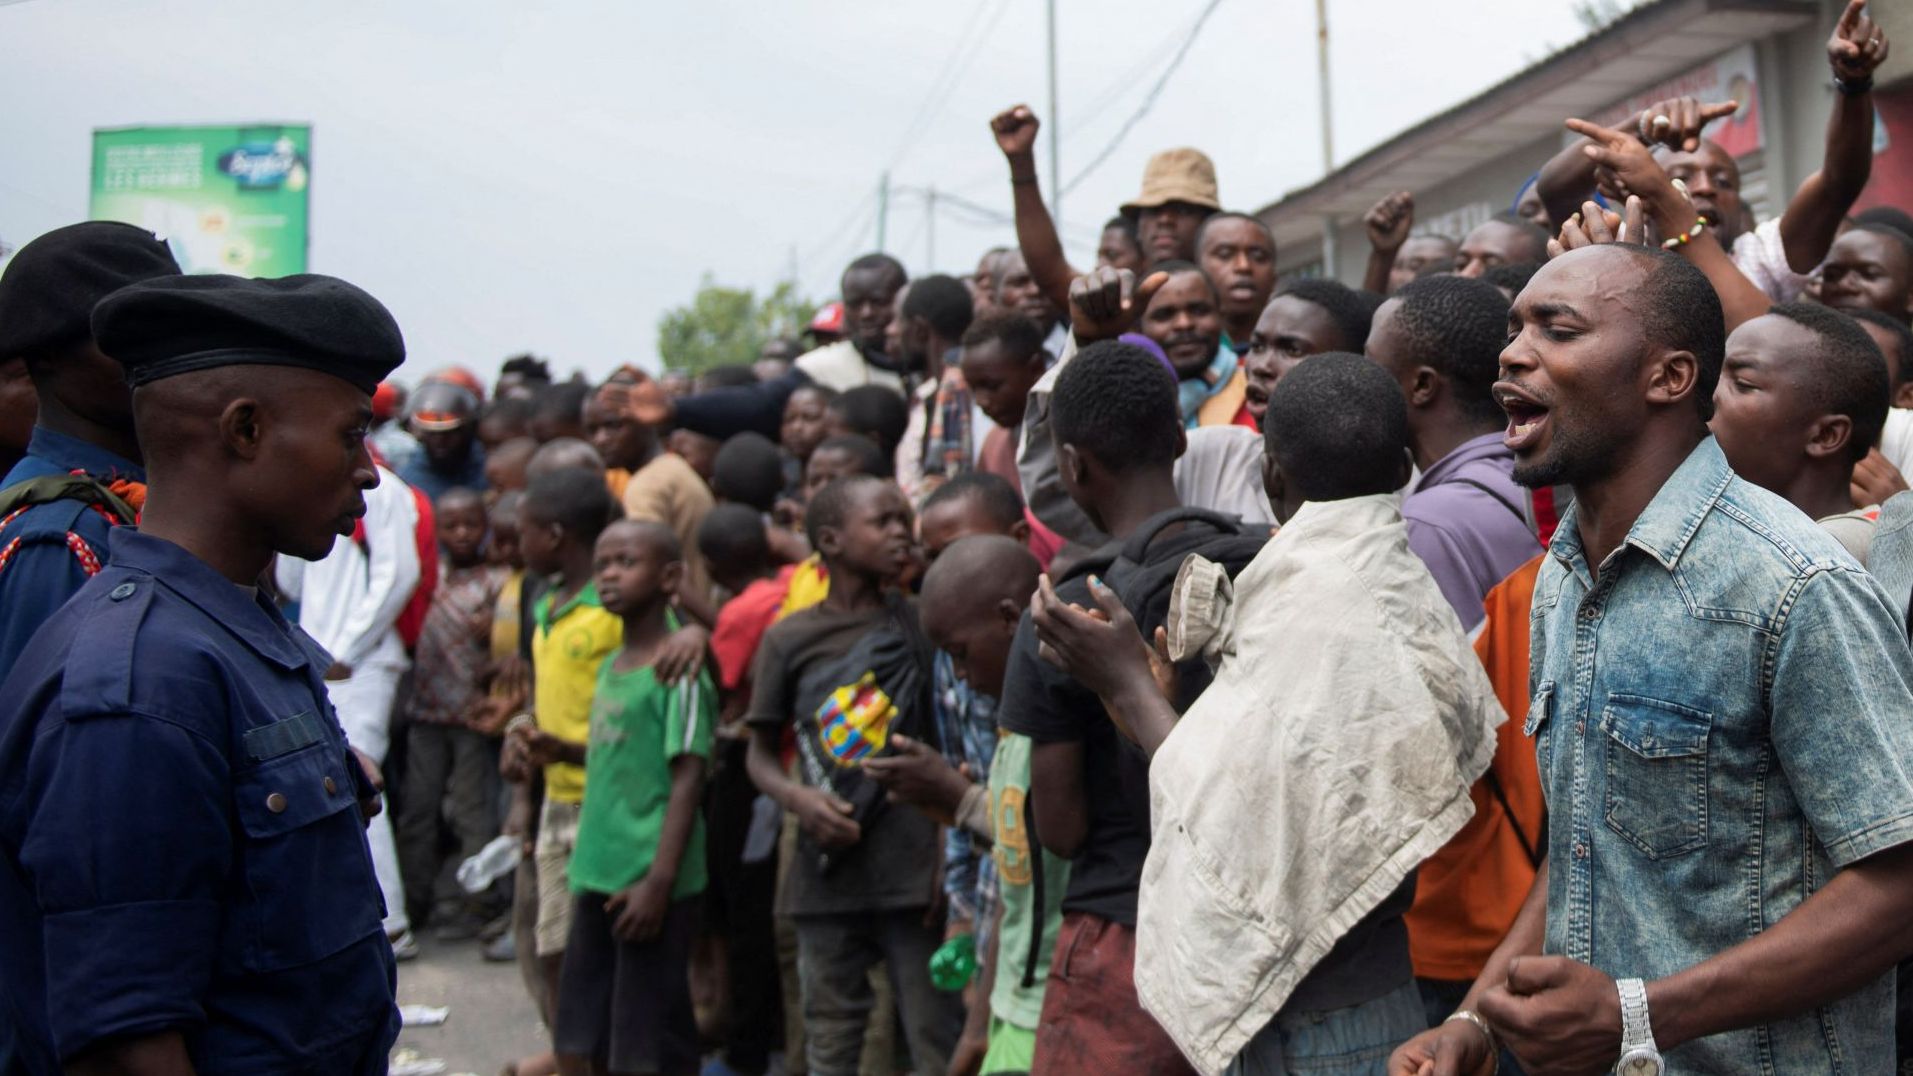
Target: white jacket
x,y
350,601
1332,754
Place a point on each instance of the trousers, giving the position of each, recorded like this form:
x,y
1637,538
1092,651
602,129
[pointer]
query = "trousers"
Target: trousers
x,y
364,703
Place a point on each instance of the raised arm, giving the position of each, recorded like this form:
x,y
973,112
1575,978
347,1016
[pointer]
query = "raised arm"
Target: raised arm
x,y
1015,131
1388,224
1813,217
1571,175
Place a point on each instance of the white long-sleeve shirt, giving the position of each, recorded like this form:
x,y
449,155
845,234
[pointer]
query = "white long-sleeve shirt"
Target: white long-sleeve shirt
x,y
350,601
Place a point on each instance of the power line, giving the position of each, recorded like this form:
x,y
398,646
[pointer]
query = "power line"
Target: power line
x,y
945,83
1149,101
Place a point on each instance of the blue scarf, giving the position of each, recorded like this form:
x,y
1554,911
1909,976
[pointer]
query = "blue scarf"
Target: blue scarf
x,y
1195,392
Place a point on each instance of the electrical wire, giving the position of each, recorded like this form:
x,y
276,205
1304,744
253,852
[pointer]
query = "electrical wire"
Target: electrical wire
x,y
1148,101
945,84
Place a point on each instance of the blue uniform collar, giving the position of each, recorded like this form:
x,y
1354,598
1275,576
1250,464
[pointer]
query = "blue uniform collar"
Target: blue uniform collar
x,y
253,622
69,453
1667,524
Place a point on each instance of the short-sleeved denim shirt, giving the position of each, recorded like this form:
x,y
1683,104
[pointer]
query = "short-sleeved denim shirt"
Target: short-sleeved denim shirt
x,y
1722,720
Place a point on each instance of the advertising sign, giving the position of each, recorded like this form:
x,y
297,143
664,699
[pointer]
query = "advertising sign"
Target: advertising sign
x,y
228,199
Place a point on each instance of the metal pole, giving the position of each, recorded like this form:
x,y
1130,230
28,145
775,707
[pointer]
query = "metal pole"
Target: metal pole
x,y
1055,127
930,229
883,208
1321,65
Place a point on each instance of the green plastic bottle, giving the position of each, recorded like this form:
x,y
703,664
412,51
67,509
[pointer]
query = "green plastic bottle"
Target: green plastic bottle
x,y
953,965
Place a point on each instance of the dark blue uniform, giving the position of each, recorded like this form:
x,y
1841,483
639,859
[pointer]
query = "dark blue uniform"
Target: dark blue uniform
x,y
180,839
47,551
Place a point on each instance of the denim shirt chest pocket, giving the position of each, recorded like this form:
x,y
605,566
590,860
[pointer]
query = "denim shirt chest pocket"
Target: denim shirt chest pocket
x,y
305,869
1656,774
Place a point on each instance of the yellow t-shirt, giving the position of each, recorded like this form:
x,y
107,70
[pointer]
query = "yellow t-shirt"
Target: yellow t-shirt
x,y
568,647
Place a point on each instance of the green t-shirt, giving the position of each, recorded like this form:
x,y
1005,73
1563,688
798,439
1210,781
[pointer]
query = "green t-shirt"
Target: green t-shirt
x,y
1010,999
638,726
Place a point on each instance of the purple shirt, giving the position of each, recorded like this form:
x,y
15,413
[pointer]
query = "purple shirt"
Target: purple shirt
x,y
1470,523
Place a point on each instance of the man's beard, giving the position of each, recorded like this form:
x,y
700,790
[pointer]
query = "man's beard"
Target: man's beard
x,y
1572,458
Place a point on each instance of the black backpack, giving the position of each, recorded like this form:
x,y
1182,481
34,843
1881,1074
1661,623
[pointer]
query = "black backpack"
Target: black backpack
x,y
1145,589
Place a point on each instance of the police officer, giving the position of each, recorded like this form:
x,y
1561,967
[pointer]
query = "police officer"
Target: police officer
x,y
81,474
184,879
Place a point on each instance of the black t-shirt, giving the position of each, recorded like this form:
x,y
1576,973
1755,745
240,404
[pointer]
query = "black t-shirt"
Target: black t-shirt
x,y
895,864
1042,703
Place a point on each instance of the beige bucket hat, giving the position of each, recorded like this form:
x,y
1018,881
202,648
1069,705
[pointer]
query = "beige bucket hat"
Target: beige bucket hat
x,y
1176,175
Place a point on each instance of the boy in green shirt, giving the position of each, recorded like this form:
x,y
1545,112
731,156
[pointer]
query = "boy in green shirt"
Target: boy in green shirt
x,y
624,1001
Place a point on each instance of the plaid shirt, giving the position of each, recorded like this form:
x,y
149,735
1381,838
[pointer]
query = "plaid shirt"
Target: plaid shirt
x,y
966,726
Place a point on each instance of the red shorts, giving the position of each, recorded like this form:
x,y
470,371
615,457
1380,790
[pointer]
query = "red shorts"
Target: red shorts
x,y
1092,1022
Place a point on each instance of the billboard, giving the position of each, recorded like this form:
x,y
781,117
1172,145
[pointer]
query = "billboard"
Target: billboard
x,y
227,199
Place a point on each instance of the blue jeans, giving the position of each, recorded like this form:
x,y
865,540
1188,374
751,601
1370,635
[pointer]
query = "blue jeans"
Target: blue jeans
x,y
1355,1041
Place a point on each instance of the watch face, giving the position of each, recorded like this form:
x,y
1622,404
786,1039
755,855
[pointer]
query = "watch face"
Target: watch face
x,y
1639,1062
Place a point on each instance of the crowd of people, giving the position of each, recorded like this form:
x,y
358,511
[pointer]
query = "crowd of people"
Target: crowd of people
x,y
1156,668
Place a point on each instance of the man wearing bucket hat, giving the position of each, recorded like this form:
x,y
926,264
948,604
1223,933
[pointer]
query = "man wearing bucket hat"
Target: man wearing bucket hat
x,y
1178,194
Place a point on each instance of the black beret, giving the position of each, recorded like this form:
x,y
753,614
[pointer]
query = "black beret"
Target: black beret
x,y
50,288
180,324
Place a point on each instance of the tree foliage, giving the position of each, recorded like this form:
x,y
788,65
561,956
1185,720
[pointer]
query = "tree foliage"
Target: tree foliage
x,y
722,326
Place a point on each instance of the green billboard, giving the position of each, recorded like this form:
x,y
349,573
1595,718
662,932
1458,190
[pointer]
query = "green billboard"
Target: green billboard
x,y
228,199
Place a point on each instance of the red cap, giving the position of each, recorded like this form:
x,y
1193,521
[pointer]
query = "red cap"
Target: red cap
x,y
829,319
385,401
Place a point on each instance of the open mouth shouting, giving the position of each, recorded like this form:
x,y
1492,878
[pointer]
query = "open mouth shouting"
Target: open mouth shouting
x,y
1527,417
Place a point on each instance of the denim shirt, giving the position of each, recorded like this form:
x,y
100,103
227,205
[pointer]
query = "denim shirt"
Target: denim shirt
x,y
1721,722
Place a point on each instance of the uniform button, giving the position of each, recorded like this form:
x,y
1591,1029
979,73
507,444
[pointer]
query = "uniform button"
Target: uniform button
x,y
276,803
330,788
122,592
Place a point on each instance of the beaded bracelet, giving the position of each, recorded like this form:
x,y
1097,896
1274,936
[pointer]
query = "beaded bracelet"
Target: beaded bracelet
x,y
1686,237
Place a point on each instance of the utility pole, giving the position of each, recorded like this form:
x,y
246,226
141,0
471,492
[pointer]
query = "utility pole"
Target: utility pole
x,y
1055,126
1321,67
883,208
930,228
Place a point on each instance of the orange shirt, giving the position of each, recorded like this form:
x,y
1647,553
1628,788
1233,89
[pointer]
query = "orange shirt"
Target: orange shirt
x,y
1468,894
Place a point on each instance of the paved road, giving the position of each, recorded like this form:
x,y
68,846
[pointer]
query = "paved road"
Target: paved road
x,y
491,1021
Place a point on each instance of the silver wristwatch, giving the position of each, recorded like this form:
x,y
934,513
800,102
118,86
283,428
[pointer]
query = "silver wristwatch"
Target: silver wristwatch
x,y
1639,1055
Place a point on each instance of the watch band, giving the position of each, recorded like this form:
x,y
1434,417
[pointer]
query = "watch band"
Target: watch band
x,y
1635,1028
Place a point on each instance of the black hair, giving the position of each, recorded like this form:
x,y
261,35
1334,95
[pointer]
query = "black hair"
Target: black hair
x,y
1176,267
515,410
1891,216
529,366
748,469
1118,403
827,507
1345,306
1126,226
943,301
870,458
1512,275
878,413
732,539
1683,312
1905,239
1457,327
455,494
505,508
1337,425
1019,336
879,261
564,400
821,391
1900,332
730,375
658,536
1536,235
1203,229
992,491
1850,378
575,499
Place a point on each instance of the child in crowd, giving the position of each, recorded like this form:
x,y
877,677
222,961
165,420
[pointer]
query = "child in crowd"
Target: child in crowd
x,y
559,521
839,457
846,674
451,766
802,431
624,1002
505,467
872,411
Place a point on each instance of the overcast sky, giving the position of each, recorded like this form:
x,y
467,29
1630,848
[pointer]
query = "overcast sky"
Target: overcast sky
x,y
552,176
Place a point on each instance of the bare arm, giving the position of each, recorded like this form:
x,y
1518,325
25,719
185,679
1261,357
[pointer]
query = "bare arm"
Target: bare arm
x,y
1813,217
163,1054
687,793
1015,131
1056,797
1570,176
1388,224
